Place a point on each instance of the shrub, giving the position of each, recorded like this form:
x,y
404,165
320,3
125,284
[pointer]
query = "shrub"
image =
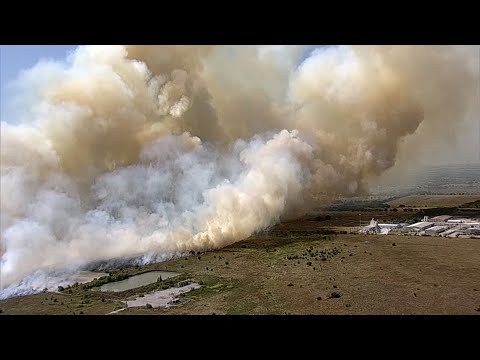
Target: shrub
x,y
290,284
319,298
149,306
61,288
309,263
334,295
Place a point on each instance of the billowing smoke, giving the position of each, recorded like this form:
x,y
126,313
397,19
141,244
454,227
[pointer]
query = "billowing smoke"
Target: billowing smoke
x,y
149,152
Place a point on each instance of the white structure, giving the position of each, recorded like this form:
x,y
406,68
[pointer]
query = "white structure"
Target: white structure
x,y
458,221
442,225
441,218
435,230
474,231
420,226
375,228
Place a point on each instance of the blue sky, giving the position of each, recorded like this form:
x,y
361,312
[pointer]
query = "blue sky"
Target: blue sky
x,y
15,58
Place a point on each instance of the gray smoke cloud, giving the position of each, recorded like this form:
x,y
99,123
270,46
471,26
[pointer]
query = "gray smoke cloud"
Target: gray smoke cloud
x,y
149,152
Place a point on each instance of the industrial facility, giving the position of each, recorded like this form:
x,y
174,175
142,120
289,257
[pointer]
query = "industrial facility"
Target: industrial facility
x,y
444,225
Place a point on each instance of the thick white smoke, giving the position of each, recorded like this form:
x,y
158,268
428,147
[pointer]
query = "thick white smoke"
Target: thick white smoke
x,y
150,152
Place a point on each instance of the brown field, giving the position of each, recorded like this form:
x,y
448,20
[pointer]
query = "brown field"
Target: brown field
x,y
276,273
429,201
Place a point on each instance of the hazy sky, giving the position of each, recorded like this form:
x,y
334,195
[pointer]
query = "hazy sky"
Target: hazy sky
x,y
15,58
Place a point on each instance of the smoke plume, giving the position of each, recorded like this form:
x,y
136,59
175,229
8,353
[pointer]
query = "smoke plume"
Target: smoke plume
x,y
149,152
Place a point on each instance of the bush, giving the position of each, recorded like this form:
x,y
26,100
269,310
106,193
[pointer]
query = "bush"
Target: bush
x,y
149,306
61,288
290,284
309,263
334,295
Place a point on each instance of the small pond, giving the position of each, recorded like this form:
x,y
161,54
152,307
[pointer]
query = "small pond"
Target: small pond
x,y
136,281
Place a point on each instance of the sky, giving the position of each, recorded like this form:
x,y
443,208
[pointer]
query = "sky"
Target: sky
x,y
15,58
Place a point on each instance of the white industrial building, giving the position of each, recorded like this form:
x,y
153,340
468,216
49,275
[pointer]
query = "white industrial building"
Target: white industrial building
x,y
420,226
473,231
435,230
375,228
441,218
444,225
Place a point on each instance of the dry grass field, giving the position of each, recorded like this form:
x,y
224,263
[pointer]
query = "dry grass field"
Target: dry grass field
x,y
296,268
429,201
